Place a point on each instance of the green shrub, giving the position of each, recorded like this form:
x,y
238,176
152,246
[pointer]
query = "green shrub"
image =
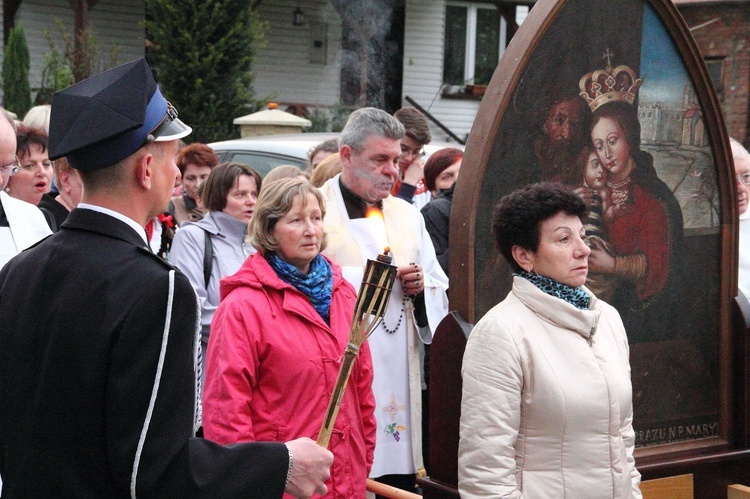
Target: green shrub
x,y
16,62
72,58
202,53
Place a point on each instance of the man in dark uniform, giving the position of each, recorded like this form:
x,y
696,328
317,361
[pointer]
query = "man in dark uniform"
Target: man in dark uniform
x,y
99,345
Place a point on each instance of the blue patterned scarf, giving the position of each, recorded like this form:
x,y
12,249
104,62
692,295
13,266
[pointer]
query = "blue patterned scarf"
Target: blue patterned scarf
x,y
317,285
575,296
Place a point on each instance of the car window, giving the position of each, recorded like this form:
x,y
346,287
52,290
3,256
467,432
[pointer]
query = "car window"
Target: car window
x,y
263,163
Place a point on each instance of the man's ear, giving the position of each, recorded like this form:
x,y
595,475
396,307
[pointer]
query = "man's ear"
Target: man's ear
x,y
345,154
523,257
144,170
62,180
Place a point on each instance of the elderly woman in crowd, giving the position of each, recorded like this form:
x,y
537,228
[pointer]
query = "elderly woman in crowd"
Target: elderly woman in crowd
x,y
34,180
547,401
215,246
38,117
195,163
278,339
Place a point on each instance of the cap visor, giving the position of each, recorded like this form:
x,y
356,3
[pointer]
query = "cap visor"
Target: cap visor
x,y
171,129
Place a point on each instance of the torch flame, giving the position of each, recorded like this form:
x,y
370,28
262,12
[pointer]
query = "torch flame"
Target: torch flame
x,y
375,218
374,212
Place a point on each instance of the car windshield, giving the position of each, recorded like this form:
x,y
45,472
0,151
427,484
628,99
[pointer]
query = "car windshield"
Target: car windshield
x,y
262,163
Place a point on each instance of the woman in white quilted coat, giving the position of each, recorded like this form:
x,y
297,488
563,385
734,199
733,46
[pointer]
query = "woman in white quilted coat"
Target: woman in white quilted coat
x,y
547,401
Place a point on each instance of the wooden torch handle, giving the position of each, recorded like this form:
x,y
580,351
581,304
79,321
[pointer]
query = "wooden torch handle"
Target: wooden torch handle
x,y
324,436
388,491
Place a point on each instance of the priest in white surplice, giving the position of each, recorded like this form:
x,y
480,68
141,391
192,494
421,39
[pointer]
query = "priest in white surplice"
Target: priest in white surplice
x,y
369,149
21,224
742,172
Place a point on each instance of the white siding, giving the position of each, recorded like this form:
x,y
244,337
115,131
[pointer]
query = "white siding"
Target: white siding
x,y
116,24
423,68
282,68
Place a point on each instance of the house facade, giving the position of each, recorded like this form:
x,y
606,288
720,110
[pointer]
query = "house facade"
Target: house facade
x,y
435,54
116,24
444,37
721,29
444,64
290,70
299,64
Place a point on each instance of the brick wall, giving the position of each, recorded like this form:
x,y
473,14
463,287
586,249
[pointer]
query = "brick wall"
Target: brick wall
x,y
723,35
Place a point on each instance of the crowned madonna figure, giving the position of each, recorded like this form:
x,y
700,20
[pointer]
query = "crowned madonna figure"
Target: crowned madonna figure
x,y
644,221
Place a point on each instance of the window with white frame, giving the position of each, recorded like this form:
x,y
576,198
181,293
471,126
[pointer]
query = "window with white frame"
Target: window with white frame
x,y
476,35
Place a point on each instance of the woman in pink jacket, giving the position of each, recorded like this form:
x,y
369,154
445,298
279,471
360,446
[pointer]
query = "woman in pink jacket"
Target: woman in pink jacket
x,y
278,338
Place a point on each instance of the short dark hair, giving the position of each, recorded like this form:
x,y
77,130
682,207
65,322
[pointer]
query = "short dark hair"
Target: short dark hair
x,y
330,145
196,154
438,162
415,124
27,136
221,180
518,215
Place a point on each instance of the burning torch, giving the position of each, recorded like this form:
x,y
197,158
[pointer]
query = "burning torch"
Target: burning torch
x,y
372,301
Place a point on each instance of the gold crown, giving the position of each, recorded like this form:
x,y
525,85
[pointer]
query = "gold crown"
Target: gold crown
x,y
609,84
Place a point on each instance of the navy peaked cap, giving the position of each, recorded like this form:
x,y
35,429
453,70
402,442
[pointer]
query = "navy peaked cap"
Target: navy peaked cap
x,y
99,121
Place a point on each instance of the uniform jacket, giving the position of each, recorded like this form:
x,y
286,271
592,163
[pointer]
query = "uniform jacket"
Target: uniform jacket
x,y
98,355
547,402
272,365
188,250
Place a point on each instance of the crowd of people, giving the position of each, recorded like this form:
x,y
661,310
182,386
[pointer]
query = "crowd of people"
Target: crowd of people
x,y
265,269
181,333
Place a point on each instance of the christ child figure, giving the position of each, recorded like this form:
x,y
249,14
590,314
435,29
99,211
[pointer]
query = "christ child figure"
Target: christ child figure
x,y
596,195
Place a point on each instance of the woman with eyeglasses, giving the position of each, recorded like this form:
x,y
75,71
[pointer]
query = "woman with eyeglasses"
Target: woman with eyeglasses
x,y
34,179
21,224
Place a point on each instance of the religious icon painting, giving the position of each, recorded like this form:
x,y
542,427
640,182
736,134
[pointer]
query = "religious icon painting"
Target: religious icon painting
x,y
613,100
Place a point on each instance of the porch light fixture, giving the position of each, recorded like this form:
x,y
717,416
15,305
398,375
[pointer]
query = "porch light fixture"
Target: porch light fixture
x,y
298,17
